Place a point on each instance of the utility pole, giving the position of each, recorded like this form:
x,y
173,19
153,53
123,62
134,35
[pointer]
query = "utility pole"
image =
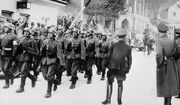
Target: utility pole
x,y
79,14
82,15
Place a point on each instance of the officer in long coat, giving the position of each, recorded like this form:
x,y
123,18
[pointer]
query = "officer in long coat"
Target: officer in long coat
x,y
177,54
7,48
119,63
26,49
167,79
50,62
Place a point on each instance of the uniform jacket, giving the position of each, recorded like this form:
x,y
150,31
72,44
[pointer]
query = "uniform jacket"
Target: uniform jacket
x,y
7,45
26,49
75,49
104,49
119,57
167,79
90,47
49,52
60,50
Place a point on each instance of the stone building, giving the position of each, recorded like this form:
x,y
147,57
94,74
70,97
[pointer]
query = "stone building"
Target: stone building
x,y
42,11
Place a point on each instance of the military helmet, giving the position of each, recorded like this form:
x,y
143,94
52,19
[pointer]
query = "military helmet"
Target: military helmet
x,y
52,31
9,25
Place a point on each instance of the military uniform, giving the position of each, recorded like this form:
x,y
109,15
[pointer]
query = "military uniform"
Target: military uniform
x,y
167,80
36,58
177,54
118,62
90,56
77,53
62,62
26,49
68,55
49,64
8,48
7,52
104,48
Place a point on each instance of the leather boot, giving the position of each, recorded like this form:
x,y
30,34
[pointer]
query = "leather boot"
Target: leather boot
x,y
49,86
102,78
59,77
108,95
55,81
120,90
89,80
21,88
33,80
6,85
167,101
12,81
74,79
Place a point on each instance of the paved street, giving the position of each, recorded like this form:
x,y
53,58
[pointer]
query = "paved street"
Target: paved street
x,y
139,89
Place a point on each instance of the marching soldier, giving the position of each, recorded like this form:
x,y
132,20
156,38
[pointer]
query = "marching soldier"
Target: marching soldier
x,y
177,54
61,56
67,52
90,56
98,55
77,53
7,52
50,62
36,58
167,80
26,50
119,63
104,48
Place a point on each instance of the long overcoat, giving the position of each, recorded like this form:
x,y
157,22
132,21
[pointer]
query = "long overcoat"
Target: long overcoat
x,y
167,78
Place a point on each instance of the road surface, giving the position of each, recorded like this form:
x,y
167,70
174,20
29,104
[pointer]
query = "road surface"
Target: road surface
x,y
139,89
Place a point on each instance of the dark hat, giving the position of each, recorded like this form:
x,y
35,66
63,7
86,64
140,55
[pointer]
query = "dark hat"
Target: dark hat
x,y
177,31
162,28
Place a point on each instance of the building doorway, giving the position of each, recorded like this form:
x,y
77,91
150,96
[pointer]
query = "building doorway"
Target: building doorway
x,y
125,24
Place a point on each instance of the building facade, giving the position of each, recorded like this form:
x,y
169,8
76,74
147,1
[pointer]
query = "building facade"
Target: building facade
x,y
137,17
42,11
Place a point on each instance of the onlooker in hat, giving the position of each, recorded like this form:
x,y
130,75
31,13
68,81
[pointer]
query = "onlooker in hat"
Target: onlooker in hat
x,y
119,63
167,80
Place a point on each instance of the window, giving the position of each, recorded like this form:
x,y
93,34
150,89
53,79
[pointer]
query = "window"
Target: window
x,y
7,13
174,14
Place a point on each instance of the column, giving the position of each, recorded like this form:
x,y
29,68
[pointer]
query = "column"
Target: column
x,y
135,6
143,8
140,8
